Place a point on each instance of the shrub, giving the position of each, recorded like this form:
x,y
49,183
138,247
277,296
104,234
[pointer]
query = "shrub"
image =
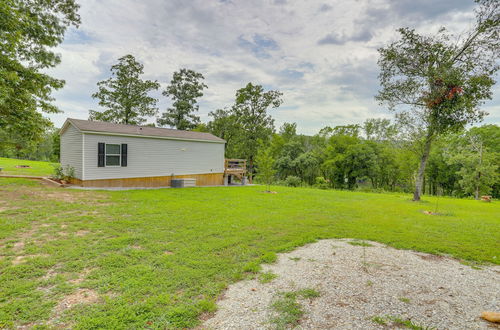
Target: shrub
x,y
321,183
64,173
58,172
293,181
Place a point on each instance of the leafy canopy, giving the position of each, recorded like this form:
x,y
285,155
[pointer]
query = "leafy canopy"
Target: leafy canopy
x,y
250,109
29,29
439,82
184,89
125,96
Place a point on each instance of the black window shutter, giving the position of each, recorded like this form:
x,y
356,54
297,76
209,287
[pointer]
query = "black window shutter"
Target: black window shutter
x,y
124,155
100,154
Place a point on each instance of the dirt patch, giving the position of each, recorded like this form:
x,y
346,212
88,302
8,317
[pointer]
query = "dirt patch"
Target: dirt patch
x,y
52,272
168,253
431,257
431,291
11,208
80,296
81,277
136,247
18,246
21,259
82,232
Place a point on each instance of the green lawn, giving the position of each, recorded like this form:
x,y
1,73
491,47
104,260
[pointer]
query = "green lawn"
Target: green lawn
x,y
159,258
36,168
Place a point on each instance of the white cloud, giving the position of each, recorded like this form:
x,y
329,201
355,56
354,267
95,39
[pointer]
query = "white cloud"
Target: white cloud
x,y
235,42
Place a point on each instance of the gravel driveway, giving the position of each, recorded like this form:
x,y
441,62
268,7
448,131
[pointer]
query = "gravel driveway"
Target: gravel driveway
x,y
360,286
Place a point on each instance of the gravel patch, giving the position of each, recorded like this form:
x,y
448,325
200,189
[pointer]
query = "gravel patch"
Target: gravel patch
x,y
358,283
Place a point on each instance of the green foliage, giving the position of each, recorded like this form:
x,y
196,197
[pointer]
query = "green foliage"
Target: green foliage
x,y
321,183
246,125
29,31
437,83
265,167
293,181
184,89
64,173
124,96
128,233
224,124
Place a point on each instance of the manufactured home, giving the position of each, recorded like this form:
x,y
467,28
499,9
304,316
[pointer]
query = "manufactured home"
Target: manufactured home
x,y
115,155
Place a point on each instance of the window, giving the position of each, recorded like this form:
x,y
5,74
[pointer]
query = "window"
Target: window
x,y
113,154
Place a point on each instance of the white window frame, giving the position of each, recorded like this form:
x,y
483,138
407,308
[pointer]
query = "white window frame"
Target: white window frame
x,y
118,154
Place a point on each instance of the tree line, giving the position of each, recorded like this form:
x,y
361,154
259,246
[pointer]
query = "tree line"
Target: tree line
x,y
435,84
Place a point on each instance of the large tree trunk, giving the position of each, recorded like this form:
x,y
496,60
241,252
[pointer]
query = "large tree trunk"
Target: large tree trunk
x,y
419,184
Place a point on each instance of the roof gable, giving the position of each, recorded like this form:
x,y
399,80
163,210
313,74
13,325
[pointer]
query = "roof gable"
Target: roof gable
x,y
144,131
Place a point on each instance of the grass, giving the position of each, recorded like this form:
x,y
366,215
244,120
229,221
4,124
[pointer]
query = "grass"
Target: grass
x,y
288,311
360,243
36,168
267,277
398,322
160,258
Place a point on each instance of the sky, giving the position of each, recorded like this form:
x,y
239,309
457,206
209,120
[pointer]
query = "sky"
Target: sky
x,y
321,54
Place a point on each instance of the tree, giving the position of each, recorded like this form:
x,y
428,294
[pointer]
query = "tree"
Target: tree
x,y
125,96
377,129
348,158
250,110
478,172
265,167
439,82
225,125
29,30
288,131
185,87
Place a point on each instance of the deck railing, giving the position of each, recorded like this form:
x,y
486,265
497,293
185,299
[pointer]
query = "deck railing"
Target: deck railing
x,y
235,165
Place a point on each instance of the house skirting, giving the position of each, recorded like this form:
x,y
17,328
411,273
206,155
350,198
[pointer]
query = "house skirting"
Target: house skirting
x,y
208,179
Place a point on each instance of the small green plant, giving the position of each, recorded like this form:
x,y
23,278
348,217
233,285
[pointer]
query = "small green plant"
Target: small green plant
x,y
405,300
399,322
308,293
267,277
407,323
58,172
369,283
379,320
265,167
288,310
293,181
295,258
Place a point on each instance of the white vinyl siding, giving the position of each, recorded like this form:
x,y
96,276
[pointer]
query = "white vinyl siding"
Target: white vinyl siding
x,y
71,150
154,157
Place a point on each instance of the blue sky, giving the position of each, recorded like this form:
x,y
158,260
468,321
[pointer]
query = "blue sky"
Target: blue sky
x,y
321,54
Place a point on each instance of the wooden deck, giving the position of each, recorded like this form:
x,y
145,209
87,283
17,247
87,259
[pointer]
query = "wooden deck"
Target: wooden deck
x,y
235,167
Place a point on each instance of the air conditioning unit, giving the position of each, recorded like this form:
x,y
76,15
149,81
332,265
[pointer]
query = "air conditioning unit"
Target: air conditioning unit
x,y
182,183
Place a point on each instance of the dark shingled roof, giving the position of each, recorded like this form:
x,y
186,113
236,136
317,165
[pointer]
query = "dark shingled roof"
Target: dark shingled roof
x,y
104,127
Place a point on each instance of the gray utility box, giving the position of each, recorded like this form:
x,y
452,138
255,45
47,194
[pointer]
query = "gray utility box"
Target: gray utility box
x,y
181,183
